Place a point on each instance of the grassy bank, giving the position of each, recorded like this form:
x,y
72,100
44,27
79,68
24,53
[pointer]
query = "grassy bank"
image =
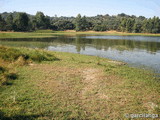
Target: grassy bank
x,y
24,35
50,33
12,57
112,33
73,86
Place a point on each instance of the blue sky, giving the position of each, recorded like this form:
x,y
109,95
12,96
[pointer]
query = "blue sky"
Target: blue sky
x,y
148,8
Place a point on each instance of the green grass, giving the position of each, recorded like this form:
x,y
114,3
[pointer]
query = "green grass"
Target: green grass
x,y
78,87
44,31
50,33
6,72
12,54
9,57
25,35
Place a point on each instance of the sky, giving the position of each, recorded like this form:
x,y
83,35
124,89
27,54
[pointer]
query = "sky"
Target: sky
x,y
147,8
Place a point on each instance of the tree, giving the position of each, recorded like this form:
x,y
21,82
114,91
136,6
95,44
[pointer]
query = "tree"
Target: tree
x,y
123,24
129,25
64,25
47,22
78,23
100,27
150,25
156,25
40,20
2,24
33,24
145,26
81,23
122,15
21,22
85,24
9,22
137,28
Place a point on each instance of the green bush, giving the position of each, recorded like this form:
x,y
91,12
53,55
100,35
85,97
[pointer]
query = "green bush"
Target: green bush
x,y
12,54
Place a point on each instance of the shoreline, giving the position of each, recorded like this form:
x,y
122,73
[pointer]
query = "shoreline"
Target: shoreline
x,y
50,33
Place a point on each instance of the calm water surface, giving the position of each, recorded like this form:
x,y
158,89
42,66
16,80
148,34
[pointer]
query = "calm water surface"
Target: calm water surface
x,y
139,51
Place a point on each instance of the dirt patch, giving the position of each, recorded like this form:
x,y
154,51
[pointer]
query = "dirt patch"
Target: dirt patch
x,y
57,78
117,62
70,31
90,77
91,81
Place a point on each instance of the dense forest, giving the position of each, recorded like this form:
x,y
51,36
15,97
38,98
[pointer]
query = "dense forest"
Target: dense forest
x,y
19,21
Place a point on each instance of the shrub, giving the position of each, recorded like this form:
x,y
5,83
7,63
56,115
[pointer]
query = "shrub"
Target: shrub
x,y
12,54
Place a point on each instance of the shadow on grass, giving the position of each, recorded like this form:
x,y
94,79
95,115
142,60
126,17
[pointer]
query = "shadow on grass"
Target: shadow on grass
x,y
66,116
18,117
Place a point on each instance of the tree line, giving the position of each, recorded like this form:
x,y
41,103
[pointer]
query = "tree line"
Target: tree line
x,y
19,21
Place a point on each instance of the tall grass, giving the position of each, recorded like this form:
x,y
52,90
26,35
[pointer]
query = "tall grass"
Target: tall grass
x,y
6,73
9,57
12,54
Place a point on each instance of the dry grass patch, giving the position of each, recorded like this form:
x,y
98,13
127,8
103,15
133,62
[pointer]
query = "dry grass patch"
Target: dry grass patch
x,y
97,94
